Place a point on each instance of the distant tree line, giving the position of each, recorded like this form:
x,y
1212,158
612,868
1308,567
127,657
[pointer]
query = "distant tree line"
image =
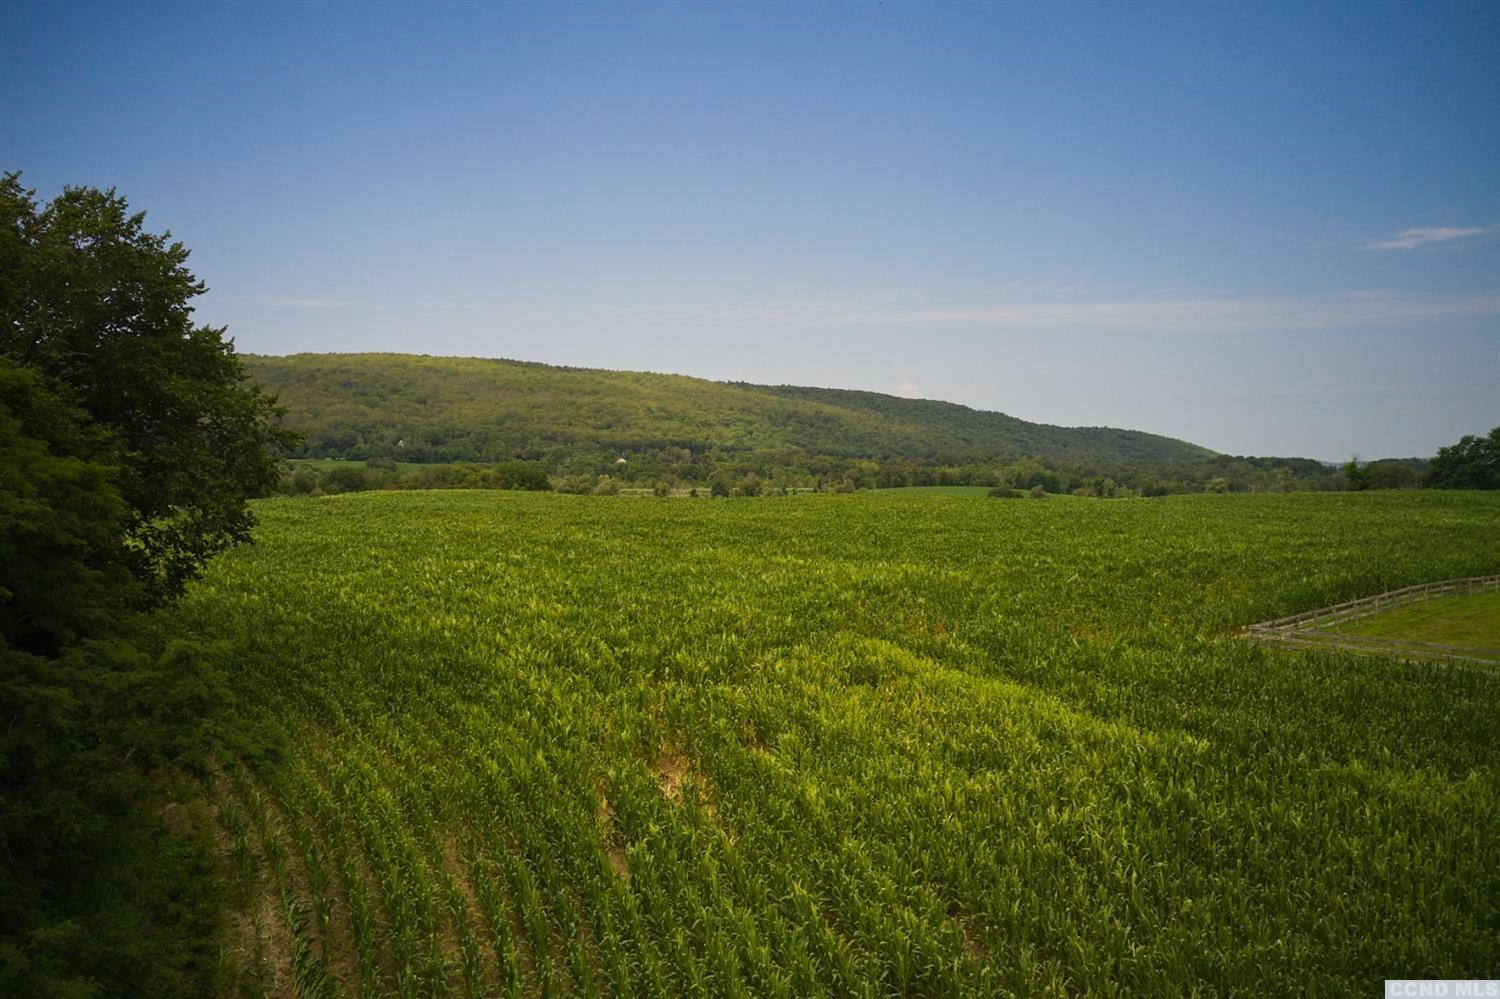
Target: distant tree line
x,y
301,479
780,472
1473,463
1389,473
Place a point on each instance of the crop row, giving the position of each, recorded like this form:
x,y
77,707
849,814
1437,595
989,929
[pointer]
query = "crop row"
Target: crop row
x,y
852,745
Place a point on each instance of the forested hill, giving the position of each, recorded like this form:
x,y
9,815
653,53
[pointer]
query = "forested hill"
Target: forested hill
x,y
428,409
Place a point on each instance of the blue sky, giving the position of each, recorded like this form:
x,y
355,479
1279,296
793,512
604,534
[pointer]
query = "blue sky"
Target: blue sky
x,y
1267,228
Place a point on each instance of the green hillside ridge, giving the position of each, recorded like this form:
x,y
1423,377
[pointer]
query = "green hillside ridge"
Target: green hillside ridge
x,y
421,408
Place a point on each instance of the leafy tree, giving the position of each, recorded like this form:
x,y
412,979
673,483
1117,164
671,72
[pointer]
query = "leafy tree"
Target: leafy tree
x,y
63,569
346,479
1390,474
301,482
130,441
99,309
527,475
1472,463
92,888
575,484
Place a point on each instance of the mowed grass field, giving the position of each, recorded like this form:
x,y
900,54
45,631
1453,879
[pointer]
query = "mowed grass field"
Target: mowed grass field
x,y
1469,620
870,744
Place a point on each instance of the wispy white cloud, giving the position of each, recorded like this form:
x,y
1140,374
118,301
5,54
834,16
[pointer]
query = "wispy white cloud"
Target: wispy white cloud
x,y
1411,239
906,390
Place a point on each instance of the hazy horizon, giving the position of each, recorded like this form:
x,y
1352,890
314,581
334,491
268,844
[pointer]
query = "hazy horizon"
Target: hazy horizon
x,y
1268,229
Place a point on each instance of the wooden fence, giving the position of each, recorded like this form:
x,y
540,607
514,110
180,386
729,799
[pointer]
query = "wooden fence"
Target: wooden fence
x,y
1311,629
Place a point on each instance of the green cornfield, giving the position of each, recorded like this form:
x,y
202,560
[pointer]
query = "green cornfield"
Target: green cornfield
x,y
858,745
